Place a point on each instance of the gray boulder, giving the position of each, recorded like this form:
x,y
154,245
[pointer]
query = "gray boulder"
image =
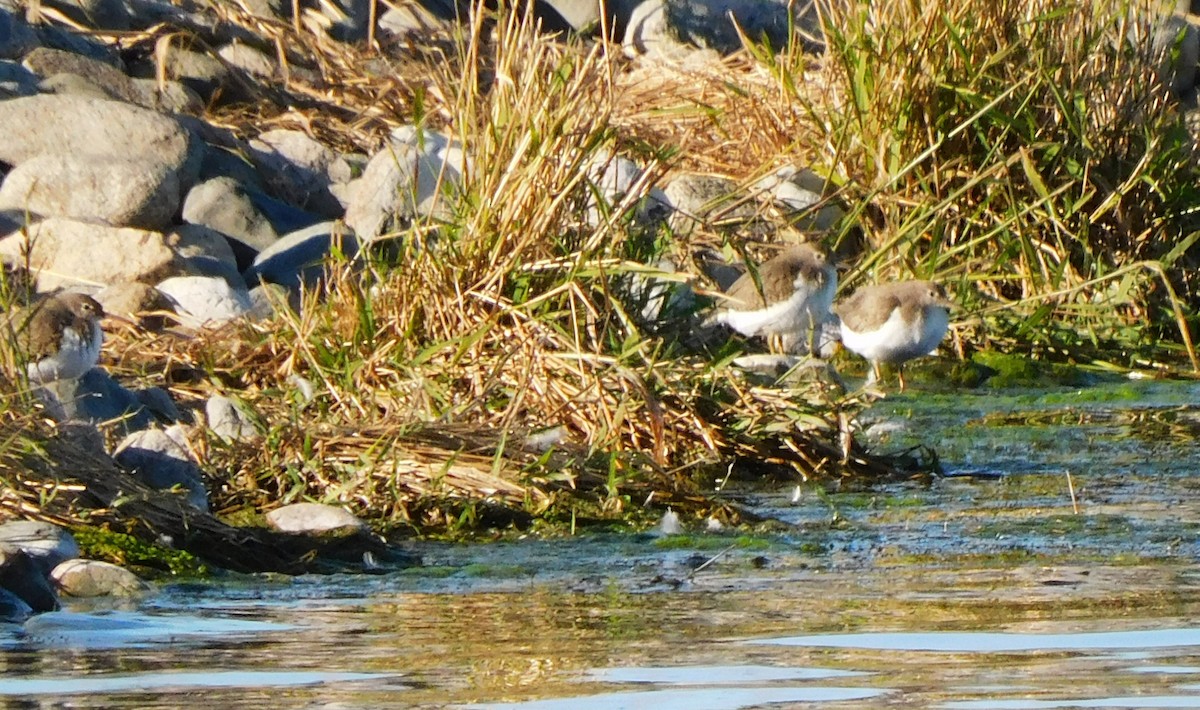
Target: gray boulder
x,y
697,199
65,252
412,20
74,125
96,397
299,258
17,38
93,578
205,300
139,302
611,178
664,27
13,609
804,195
416,175
207,252
47,63
300,170
118,192
204,74
161,462
46,543
20,575
227,420
314,519
96,14
16,80
244,215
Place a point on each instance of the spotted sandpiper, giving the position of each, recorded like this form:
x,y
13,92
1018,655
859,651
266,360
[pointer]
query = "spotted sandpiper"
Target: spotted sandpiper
x,y
791,296
894,322
59,336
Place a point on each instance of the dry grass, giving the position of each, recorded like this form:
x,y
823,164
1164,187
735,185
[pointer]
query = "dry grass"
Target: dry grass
x,y
1022,152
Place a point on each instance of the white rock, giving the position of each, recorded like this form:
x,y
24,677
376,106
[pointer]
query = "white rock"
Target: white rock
x,y
227,420
205,300
46,543
66,252
93,578
115,191
313,518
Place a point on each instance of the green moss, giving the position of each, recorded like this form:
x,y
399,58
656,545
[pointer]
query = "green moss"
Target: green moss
x,y
435,572
503,571
711,542
143,558
1011,370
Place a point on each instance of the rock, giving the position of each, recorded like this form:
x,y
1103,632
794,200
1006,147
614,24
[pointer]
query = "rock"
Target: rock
x,y
314,519
66,252
166,96
13,609
225,206
121,193
48,63
250,60
207,76
16,80
78,126
46,543
412,20
578,15
242,214
268,299
648,33
804,194
343,20
205,300
92,578
60,38
299,258
74,85
300,170
96,397
612,177
664,27
401,182
17,38
139,302
227,420
230,163
158,402
20,575
1177,44
96,14
161,462
207,253
696,199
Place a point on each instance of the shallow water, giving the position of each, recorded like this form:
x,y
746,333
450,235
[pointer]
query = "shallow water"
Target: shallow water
x,y
993,587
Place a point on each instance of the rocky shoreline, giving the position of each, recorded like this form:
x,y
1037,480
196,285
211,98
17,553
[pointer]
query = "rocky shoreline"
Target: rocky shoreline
x,y
123,182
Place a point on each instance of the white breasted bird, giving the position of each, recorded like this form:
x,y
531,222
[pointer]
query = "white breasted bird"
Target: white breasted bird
x,y
790,297
894,322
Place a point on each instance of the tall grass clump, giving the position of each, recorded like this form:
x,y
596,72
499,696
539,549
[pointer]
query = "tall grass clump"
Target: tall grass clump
x,y
511,318
1028,151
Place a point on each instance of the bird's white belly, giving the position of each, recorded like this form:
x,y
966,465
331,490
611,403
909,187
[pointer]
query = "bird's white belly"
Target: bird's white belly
x,y
793,315
74,358
897,340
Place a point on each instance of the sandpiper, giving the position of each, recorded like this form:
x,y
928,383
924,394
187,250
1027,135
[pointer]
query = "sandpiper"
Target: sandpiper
x,y
791,297
59,336
894,322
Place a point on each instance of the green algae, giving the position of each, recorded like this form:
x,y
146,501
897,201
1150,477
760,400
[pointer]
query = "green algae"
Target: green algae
x,y
145,559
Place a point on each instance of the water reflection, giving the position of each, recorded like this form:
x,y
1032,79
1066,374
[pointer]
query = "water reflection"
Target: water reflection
x,y
958,594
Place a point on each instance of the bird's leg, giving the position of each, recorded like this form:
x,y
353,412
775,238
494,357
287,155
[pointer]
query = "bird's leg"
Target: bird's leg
x,y
900,374
874,376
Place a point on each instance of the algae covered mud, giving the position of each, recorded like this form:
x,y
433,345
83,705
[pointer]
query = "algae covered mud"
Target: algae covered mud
x,y
1053,565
